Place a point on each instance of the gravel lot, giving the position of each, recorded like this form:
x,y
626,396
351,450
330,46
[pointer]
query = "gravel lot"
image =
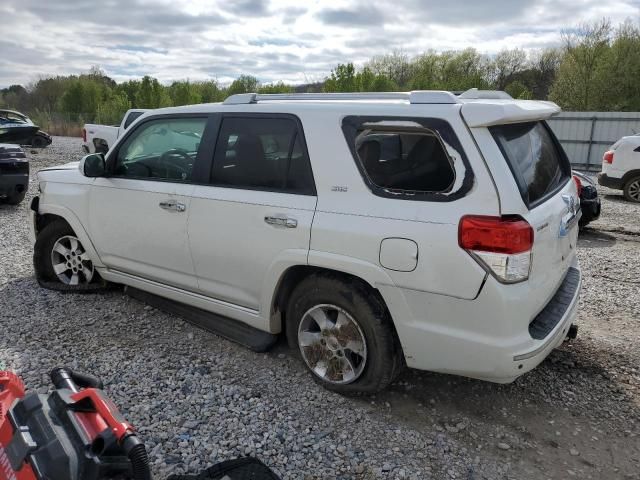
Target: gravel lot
x,y
198,399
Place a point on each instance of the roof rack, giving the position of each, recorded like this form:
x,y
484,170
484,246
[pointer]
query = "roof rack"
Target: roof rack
x,y
417,96
414,97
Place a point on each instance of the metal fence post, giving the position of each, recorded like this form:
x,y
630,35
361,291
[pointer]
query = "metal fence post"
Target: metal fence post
x,y
594,119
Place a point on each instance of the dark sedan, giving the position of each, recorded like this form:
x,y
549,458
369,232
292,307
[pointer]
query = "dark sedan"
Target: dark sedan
x,y
589,200
18,128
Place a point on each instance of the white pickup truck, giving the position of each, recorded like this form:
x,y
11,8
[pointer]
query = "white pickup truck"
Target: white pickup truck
x,y
99,138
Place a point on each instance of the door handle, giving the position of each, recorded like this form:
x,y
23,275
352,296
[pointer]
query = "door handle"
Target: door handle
x,y
172,205
281,221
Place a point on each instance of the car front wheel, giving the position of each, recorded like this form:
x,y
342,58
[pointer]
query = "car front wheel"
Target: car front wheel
x,y
61,262
343,334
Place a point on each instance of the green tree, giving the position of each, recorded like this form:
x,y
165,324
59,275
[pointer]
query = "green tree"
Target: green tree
x,y
210,91
152,94
184,93
517,89
130,88
278,87
342,79
82,97
243,84
368,81
394,66
579,81
619,74
112,110
426,72
15,96
463,70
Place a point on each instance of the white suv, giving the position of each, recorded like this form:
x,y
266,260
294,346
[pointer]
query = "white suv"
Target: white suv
x,y
374,230
621,167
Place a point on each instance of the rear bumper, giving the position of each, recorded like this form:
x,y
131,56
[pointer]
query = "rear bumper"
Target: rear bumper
x,y
480,338
590,210
610,182
13,184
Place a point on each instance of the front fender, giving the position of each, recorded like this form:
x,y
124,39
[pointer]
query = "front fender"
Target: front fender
x,y
76,225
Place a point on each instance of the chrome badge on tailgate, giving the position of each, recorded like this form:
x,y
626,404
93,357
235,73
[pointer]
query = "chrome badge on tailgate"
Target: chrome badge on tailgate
x,y
570,218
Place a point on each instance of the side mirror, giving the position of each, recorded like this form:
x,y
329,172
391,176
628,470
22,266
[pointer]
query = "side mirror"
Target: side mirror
x,y
93,165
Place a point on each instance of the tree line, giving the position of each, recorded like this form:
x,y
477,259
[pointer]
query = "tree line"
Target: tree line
x,y
597,67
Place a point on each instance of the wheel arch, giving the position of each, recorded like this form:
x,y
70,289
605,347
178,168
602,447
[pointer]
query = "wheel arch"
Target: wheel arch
x,y
100,145
293,275
629,175
49,213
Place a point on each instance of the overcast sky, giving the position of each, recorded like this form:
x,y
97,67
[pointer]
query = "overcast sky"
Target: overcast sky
x,y
290,40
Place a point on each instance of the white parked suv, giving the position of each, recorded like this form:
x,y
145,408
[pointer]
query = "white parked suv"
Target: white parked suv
x,y
621,167
373,230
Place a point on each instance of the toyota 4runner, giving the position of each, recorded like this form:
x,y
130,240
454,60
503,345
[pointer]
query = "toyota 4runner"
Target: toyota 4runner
x,y
373,230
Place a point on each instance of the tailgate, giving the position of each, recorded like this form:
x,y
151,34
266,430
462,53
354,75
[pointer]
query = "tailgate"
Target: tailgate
x,y
550,202
555,223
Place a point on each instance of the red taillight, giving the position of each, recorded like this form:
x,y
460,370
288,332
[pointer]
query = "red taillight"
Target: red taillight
x,y
495,234
578,184
608,156
84,134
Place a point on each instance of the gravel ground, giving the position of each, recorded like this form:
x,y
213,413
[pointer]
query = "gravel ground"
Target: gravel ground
x,y
198,399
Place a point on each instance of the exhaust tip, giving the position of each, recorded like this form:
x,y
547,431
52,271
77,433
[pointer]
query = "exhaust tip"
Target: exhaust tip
x,y
573,331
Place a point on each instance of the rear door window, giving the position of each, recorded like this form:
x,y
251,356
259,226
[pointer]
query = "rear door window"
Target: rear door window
x,y
535,159
262,153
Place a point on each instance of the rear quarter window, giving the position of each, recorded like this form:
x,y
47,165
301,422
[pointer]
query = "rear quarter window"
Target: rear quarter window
x,y
535,158
409,158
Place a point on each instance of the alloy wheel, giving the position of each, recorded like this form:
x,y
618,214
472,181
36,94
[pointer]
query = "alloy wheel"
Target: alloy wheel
x,y
332,344
70,261
634,190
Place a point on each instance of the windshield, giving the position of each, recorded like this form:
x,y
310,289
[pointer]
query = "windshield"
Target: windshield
x,y
535,158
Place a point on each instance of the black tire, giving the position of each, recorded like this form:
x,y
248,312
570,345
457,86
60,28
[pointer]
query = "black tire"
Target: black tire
x,y
384,359
16,199
632,189
39,142
42,264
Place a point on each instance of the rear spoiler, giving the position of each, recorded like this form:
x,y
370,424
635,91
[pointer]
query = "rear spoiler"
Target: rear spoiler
x,y
479,113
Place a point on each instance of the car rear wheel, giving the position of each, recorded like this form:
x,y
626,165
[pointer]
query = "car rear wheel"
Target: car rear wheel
x,y
343,334
39,142
632,190
61,262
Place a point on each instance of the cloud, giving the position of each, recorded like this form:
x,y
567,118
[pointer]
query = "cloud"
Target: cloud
x,y
274,40
352,17
291,14
252,8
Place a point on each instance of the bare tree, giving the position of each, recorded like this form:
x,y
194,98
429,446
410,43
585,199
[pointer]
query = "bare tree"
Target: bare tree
x,y
544,64
395,66
506,64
